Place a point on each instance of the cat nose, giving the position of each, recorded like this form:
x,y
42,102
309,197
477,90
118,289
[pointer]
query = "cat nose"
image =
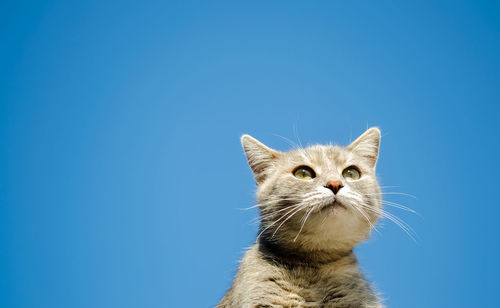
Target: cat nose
x,y
334,186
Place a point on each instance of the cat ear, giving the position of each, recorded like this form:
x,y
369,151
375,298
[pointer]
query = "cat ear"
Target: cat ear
x,y
367,145
259,157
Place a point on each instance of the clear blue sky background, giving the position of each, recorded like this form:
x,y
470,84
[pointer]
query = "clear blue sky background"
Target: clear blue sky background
x,y
121,172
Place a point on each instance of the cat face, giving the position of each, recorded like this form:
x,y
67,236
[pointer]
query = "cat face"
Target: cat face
x,y
320,197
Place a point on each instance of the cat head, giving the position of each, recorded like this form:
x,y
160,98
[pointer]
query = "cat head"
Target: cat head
x,y
319,197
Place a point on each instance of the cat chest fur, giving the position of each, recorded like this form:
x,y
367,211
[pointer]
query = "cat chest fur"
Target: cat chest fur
x,y
271,284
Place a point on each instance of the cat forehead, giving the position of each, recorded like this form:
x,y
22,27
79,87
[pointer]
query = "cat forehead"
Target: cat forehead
x,y
318,154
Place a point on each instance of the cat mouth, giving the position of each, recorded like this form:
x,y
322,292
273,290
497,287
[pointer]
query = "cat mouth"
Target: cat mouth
x,y
335,204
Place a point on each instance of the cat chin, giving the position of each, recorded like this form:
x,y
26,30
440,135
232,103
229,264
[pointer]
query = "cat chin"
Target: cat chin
x,y
332,243
337,226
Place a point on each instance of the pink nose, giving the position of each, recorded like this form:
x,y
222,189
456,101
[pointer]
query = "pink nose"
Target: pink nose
x,y
334,186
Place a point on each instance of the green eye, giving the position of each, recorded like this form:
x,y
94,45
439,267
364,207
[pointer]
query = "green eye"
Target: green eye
x,y
351,173
304,173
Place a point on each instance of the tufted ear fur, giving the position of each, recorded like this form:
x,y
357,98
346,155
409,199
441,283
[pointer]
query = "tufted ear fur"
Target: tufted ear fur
x,y
367,145
259,157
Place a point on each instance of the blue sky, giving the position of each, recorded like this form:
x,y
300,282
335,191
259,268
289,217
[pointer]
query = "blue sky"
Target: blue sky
x,y
121,172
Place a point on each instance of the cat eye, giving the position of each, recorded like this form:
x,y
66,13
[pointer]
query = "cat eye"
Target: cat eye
x,y
351,173
304,173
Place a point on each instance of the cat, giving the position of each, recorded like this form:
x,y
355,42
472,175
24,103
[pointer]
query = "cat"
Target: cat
x,y
316,204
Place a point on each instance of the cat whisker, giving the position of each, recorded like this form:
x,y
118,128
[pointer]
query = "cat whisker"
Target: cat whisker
x,y
381,186
303,204
354,205
296,133
367,218
261,204
312,196
289,141
399,193
324,219
392,193
397,205
290,216
402,224
400,206
396,220
304,222
266,215
277,220
299,205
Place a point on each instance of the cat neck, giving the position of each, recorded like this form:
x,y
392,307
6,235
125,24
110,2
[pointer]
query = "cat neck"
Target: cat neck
x,y
296,257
